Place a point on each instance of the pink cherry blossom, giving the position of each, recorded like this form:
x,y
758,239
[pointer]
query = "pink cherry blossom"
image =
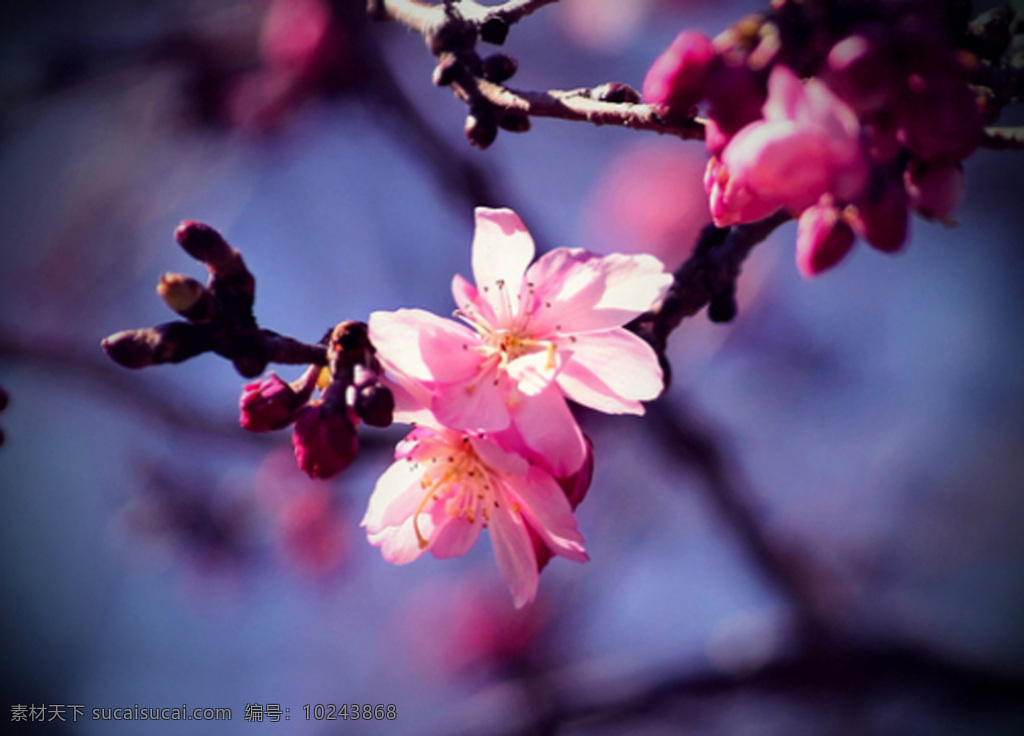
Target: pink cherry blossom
x,y
807,145
447,485
531,335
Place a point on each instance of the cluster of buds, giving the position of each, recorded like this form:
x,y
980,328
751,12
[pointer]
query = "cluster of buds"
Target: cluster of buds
x,y
879,128
324,433
460,65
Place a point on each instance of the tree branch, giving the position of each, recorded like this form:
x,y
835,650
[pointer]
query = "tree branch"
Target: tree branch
x,y
1004,138
706,278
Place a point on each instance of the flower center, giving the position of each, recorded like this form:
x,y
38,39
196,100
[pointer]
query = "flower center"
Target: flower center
x,y
460,479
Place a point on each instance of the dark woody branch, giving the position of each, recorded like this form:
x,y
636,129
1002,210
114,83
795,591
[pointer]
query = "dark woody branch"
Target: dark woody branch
x,y
706,278
219,314
452,30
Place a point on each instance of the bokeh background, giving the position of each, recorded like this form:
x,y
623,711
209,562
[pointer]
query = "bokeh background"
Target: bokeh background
x,y
817,530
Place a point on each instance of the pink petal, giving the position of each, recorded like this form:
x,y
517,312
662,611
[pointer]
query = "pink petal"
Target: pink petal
x,y
612,371
533,373
497,458
786,95
547,427
547,508
424,346
502,249
399,545
514,553
454,537
395,496
599,294
473,406
468,299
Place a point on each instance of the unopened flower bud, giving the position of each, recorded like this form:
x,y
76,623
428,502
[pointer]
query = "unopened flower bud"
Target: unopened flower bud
x,y
182,294
678,78
514,123
171,342
249,365
498,67
858,73
882,217
481,127
935,189
444,72
494,31
325,441
823,238
374,404
722,307
203,243
268,404
615,92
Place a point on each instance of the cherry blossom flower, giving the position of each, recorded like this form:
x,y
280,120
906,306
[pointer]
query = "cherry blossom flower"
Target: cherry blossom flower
x,y
807,145
447,485
532,336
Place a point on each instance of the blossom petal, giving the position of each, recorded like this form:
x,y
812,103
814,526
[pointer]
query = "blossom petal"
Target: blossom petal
x,y
469,301
502,249
479,405
547,427
599,294
424,346
786,95
514,552
454,537
612,372
395,496
399,544
533,373
498,458
547,508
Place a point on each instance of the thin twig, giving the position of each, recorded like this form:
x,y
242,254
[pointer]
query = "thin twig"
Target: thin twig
x,y
578,105
1004,138
706,276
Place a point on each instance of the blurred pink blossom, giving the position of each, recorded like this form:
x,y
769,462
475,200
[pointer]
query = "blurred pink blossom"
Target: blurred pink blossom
x,y
536,334
445,486
649,199
807,145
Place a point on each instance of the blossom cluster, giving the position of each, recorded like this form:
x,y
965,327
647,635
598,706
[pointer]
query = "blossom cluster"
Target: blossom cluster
x,y
879,127
495,444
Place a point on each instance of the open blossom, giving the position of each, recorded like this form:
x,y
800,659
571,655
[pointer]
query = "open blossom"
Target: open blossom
x,y
807,145
531,335
447,485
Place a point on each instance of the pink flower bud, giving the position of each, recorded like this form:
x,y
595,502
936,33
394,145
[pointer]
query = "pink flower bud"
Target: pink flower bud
x,y
325,441
736,96
268,404
678,77
823,239
935,189
882,217
938,111
858,73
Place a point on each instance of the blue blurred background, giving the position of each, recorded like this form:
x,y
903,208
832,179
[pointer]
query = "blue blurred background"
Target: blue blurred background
x,y
867,426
